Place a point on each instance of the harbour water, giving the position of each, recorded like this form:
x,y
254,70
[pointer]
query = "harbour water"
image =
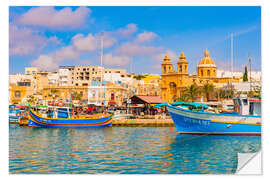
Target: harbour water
x,y
123,150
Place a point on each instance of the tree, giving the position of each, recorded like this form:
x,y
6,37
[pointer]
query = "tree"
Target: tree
x,y
245,76
208,89
76,96
139,77
31,99
53,93
184,97
192,91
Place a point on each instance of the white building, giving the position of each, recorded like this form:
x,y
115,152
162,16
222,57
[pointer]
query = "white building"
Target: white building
x,y
229,74
53,78
117,75
255,76
65,75
244,86
96,95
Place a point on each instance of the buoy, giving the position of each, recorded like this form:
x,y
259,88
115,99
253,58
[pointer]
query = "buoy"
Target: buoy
x,y
18,114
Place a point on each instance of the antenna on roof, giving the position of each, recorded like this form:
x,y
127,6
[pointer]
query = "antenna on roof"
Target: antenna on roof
x,y
232,53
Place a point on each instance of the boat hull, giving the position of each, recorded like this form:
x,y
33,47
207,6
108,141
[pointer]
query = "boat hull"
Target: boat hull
x,y
200,123
37,121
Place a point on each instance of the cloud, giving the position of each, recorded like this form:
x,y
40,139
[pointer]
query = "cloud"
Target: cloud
x,y
45,63
111,60
145,37
88,43
64,53
24,41
161,55
128,30
91,42
133,49
51,18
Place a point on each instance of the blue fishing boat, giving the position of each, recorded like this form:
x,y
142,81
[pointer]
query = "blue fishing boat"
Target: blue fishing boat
x,y
15,113
62,117
196,118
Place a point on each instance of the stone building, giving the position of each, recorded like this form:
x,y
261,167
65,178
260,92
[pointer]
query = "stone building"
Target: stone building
x,y
174,82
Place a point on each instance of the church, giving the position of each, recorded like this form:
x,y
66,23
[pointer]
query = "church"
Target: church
x,y
174,81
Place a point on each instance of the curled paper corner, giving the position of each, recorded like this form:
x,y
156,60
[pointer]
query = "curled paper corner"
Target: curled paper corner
x,y
249,163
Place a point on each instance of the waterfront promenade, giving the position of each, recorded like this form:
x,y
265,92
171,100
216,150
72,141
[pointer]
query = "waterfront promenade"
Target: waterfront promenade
x,y
143,122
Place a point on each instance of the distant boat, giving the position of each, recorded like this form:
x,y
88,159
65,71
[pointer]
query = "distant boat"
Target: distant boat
x,y
195,118
65,119
15,113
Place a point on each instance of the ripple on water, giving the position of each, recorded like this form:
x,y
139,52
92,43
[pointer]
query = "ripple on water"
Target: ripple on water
x,y
122,150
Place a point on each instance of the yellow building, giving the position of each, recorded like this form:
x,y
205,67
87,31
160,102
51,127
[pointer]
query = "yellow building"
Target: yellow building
x,y
30,70
19,94
149,85
174,82
54,92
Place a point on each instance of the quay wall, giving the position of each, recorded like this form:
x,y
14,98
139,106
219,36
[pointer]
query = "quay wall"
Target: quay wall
x,y
143,122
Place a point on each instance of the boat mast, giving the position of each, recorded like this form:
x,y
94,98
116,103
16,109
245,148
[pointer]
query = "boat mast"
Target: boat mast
x,y
232,60
249,59
232,53
101,49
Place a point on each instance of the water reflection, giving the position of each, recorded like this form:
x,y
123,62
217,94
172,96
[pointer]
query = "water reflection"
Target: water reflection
x,y
132,150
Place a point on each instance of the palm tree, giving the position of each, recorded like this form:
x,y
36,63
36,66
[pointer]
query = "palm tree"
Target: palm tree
x,y
220,94
230,93
31,99
184,97
192,91
76,96
208,89
53,93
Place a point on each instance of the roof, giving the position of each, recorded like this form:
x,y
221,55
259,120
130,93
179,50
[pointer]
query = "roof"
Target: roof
x,y
146,99
207,60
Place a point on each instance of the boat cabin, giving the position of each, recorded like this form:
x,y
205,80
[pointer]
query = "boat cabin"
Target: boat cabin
x,y
247,106
59,112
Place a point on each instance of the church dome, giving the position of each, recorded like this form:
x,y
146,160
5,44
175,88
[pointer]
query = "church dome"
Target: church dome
x,y
207,61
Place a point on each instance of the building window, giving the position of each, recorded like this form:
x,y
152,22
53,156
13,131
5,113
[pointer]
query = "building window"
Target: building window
x,y
164,69
181,68
208,72
17,94
201,72
185,68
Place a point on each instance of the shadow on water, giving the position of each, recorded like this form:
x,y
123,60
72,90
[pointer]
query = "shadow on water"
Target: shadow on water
x,y
122,150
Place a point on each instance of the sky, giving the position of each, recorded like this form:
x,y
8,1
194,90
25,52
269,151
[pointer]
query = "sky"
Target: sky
x,y
135,38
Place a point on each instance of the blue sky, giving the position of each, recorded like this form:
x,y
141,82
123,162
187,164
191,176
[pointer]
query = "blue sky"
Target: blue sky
x,y
135,38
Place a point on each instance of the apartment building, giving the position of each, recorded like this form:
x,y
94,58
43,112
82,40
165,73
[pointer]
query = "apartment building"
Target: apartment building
x,y
30,70
65,75
116,75
84,75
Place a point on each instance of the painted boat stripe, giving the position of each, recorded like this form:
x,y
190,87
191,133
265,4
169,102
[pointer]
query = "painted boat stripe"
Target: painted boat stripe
x,y
233,122
81,124
31,111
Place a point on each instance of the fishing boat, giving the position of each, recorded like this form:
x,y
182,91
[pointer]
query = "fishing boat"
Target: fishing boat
x,y
197,118
15,113
62,117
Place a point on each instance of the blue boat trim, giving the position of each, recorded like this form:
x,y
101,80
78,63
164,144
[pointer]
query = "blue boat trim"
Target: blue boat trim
x,y
219,114
37,121
193,123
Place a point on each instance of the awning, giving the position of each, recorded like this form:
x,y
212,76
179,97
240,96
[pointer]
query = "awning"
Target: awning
x,y
111,103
